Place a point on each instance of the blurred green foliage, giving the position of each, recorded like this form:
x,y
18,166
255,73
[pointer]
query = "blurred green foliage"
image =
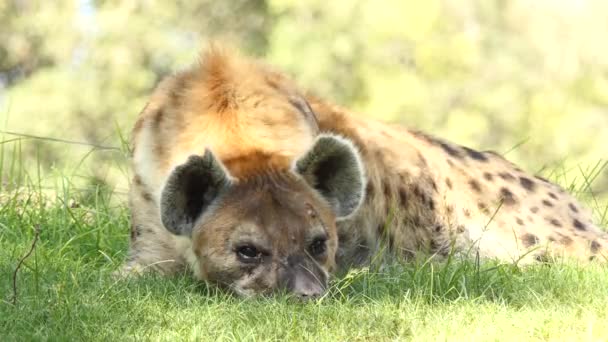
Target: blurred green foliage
x,y
489,74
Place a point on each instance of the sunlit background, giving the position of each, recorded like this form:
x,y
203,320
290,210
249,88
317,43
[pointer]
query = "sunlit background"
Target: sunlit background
x,y
528,79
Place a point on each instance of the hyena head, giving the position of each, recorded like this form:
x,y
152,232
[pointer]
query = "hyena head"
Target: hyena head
x,y
273,231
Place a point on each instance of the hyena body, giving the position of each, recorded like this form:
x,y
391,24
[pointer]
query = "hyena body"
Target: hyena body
x,y
425,193
255,188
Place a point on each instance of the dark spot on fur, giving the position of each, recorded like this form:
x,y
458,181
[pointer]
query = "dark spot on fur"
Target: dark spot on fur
x,y
391,242
579,225
137,180
475,185
449,149
419,193
460,229
547,203
450,209
488,176
466,213
440,248
429,201
475,154
438,228
534,210
507,197
551,238
527,183
369,189
451,163
448,182
595,246
146,196
483,207
387,190
506,176
434,185
530,219
493,153
415,220
403,196
158,118
159,148
566,240
519,221
422,196
552,195
573,207
176,95
529,240
423,136
379,155
541,257
422,159
433,246
542,179
135,232
555,222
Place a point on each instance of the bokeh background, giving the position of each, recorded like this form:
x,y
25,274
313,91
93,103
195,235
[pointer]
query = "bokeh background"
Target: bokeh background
x,y
528,79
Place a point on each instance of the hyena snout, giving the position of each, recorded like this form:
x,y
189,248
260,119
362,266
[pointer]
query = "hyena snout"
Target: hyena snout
x,y
305,280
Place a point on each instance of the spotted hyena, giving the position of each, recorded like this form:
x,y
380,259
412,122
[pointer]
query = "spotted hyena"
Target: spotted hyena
x,y
254,186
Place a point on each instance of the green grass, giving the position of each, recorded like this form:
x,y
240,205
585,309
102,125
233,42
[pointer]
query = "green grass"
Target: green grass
x,y
66,291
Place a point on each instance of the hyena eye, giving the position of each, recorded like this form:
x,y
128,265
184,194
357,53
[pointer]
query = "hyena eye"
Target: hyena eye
x,y
248,254
318,246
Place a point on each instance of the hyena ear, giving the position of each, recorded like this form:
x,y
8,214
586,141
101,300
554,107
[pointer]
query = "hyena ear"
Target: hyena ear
x,y
189,191
333,167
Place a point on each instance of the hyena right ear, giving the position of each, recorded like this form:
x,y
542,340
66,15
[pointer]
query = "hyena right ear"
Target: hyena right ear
x,y
334,168
189,191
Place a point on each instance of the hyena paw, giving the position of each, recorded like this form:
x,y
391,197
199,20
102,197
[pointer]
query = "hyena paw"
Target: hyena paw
x,y
128,270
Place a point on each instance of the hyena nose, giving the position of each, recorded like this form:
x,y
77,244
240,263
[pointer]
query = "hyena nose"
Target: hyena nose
x,y
307,287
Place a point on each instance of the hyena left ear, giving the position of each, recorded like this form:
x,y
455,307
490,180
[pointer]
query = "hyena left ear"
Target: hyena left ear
x,y
333,167
190,190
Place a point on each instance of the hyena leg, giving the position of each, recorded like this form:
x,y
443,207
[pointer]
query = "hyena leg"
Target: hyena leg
x,y
154,249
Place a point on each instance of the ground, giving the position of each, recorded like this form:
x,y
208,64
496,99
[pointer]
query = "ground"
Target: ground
x,y
66,290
